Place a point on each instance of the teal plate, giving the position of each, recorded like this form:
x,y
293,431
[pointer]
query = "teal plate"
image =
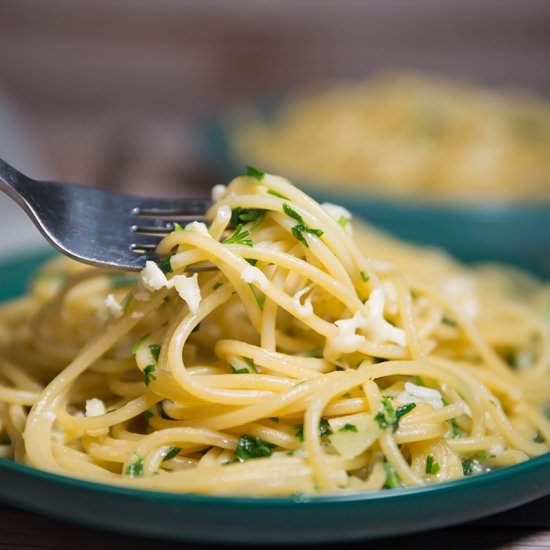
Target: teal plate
x,y
517,234
256,521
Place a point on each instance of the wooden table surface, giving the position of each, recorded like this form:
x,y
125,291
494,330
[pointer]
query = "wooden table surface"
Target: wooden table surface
x,y
111,90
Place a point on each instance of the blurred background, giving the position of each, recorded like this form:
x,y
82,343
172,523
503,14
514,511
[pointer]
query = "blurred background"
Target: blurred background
x,y
111,92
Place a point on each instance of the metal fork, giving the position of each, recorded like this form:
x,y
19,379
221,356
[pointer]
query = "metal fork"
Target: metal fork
x,y
98,227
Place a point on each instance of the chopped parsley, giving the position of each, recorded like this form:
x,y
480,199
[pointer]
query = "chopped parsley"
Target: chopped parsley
x,y
121,281
299,230
155,351
217,285
539,438
138,343
259,296
251,261
277,194
244,215
149,373
448,322
456,431
390,417
165,265
467,466
343,221
177,226
252,447
135,468
432,467
254,173
239,236
392,479
324,430
364,277
250,367
147,415
172,452
348,428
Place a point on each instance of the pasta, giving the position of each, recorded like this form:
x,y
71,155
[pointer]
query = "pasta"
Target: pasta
x,y
319,356
407,136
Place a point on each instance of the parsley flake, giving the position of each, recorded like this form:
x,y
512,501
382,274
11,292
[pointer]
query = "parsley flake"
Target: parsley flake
x,y
392,479
155,351
172,452
252,447
239,236
467,466
277,194
135,468
177,226
254,173
348,428
165,265
259,296
343,221
299,230
432,467
390,417
364,277
149,373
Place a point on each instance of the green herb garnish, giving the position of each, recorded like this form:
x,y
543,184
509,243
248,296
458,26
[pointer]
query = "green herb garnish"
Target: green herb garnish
x,y
254,173
147,415
343,221
277,194
135,468
149,373
244,215
165,265
217,285
348,428
364,277
467,466
299,230
177,226
252,447
448,322
155,351
324,429
239,236
392,479
172,452
432,467
390,417
456,431
259,296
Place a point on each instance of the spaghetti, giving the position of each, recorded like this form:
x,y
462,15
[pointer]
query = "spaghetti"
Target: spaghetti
x,y
318,357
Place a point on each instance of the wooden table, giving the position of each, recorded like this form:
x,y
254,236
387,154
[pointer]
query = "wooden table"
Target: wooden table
x,y
111,91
